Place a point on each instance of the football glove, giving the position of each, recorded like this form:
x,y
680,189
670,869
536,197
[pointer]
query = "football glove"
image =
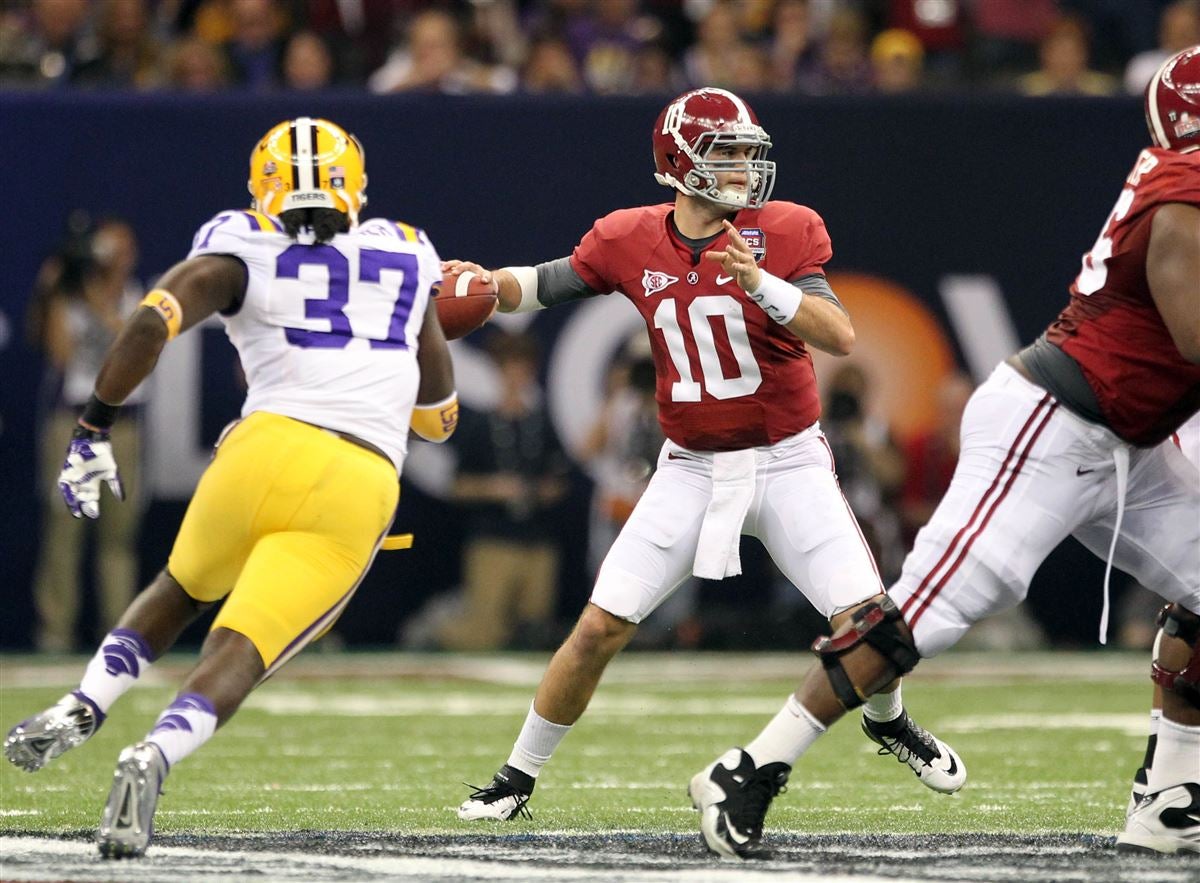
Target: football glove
x,y
89,461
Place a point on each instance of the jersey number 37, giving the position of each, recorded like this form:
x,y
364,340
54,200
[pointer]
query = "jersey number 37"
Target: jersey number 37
x,y
384,330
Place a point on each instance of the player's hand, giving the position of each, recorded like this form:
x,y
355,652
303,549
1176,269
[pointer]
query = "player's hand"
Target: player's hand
x,y
89,461
454,268
737,260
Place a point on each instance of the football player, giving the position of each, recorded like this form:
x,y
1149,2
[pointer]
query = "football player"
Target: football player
x,y
733,292
1070,437
342,354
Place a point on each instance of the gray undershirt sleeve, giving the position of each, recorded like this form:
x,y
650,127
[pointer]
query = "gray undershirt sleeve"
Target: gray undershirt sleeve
x,y
558,283
817,285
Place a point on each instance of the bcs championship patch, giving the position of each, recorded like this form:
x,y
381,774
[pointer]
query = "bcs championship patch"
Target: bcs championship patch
x,y
757,240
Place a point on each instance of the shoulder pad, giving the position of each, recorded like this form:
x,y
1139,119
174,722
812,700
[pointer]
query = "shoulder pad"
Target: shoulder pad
x,y
229,231
624,222
788,214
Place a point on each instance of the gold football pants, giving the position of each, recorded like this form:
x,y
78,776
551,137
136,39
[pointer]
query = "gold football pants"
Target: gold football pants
x,y
285,522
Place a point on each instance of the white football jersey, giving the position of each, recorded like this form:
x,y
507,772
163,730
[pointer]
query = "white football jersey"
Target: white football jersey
x,y
327,333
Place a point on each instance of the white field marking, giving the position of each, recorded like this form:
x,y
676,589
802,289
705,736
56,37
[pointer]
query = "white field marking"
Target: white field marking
x,y
1127,724
292,702
658,669
20,812
34,858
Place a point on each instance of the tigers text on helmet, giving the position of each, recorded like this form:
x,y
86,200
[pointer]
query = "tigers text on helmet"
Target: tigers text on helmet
x,y
692,127
308,163
1173,102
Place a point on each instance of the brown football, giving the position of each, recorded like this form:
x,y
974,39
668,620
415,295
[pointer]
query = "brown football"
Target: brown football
x,y
464,303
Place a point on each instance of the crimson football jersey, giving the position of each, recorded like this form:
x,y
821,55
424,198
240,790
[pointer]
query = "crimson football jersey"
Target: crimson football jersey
x,y
1111,326
728,376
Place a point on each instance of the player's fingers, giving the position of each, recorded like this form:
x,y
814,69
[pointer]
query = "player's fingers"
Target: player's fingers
x,y
716,255
118,489
734,236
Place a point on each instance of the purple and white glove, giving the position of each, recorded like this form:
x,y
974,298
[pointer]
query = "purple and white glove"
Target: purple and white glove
x,y
89,462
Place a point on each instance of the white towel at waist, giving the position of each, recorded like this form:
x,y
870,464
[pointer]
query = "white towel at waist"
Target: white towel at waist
x,y
717,554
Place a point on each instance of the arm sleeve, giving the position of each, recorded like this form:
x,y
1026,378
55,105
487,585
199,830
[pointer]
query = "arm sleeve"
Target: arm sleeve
x,y
558,283
817,285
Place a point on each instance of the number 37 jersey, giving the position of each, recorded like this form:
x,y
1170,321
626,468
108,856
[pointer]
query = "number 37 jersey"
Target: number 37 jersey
x,y
327,333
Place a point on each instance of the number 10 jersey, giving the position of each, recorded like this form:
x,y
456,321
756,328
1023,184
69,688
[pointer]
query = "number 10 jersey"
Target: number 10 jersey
x,y
729,377
327,333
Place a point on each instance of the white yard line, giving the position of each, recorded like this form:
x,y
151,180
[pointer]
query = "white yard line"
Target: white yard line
x,y
525,670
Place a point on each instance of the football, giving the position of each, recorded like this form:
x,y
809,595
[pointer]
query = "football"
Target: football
x,y
464,303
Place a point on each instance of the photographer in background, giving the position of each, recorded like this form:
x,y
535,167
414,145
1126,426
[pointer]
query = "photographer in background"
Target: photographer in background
x,y
82,295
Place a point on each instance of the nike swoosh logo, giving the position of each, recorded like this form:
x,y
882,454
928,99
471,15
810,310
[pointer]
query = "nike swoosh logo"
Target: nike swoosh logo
x,y
724,280
734,835
1079,470
953,768
125,816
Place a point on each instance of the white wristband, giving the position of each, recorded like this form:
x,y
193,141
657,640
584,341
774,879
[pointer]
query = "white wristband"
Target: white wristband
x,y
527,278
779,298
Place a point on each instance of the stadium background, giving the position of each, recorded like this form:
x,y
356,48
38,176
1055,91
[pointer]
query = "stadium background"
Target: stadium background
x,y
950,199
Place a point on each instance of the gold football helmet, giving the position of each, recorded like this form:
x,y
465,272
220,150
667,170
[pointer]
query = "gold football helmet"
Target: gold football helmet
x,y
308,163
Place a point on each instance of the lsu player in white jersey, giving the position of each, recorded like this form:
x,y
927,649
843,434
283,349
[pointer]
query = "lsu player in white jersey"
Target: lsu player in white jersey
x,y
342,352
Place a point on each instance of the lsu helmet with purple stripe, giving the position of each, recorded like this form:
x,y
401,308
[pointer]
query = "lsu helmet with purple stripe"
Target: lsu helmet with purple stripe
x,y
686,136
1173,102
308,163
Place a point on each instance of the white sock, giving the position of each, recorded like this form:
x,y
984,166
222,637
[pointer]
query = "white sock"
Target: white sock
x,y
1155,717
787,736
1176,757
884,707
120,661
185,725
539,737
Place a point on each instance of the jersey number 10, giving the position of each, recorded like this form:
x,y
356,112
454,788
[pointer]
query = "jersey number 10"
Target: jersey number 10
x,y
703,343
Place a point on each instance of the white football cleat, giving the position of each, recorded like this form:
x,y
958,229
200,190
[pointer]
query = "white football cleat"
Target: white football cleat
x,y
934,762
733,797
1168,822
504,798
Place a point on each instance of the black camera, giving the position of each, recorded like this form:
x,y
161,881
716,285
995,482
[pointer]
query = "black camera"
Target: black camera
x,y
76,256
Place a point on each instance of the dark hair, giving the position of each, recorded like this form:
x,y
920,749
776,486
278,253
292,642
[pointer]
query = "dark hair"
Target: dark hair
x,y
325,223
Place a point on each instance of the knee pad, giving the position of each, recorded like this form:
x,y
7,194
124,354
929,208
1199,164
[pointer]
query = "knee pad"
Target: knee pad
x,y
878,624
1176,621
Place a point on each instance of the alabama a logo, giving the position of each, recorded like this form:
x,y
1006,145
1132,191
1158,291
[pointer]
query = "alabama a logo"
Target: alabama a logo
x,y
757,240
653,281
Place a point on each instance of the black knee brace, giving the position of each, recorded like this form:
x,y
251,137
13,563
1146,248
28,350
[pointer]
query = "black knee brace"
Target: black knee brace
x,y
877,624
1177,621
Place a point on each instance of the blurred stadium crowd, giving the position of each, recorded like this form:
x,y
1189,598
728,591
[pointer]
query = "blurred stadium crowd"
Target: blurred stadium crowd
x,y
609,47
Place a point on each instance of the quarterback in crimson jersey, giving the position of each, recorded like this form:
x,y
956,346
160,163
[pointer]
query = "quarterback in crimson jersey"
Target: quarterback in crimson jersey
x,y
732,289
746,380
1066,438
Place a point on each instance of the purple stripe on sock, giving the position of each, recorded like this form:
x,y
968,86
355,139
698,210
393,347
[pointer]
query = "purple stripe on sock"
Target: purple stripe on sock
x,y
173,718
90,703
139,643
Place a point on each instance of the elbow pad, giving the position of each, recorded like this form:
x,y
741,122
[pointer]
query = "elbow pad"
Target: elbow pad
x,y
436,422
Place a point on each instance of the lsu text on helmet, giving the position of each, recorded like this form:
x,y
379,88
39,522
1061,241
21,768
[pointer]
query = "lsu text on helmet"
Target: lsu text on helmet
x,y
1173,102
308,163
686,135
